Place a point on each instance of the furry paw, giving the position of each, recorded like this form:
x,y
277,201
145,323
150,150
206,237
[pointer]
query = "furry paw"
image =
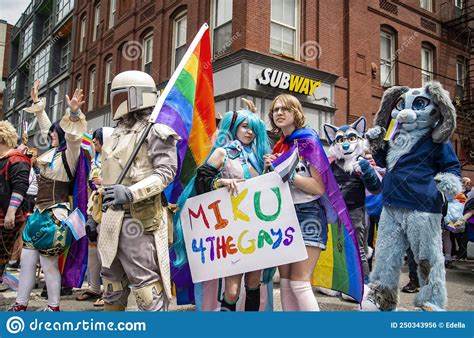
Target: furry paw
x,y
448,184
375,133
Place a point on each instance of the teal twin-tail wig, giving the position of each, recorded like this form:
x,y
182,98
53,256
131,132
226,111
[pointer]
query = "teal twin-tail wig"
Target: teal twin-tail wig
x,y
226,133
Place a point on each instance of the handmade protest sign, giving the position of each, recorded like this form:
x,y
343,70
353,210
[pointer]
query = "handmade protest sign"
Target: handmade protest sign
x,y
230,234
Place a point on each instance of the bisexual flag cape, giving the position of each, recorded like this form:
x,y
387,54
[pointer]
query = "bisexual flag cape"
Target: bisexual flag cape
x,y
339,266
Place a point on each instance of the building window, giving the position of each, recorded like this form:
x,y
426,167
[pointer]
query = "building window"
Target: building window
x,y
82,38
112,13
66,55
284,31
96,22
27,41
108,80
427,4
460,72
78,82
387,58
12,92
46,27
222,23
56,98
91,96
426,65
179,39
63,7
41,65
147,56
459,4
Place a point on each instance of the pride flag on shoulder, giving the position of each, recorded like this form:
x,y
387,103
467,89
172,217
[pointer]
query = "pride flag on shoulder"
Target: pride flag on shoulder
x,y
187,106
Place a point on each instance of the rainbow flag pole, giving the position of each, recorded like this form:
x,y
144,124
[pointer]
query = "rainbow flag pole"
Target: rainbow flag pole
x,y
187,106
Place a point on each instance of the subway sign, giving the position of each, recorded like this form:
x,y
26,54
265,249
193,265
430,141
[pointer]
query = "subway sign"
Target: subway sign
x,y
293,83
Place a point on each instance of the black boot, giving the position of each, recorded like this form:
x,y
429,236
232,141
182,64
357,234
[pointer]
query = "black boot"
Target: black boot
x,y
225,306
252,299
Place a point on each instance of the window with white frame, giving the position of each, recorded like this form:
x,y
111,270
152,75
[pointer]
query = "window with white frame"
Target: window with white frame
x,y
91,96
41,65
82,37
426,65
108,80
112,13
387,58
427,4
459,4
460,72
66,55
147,56
63,7
222,23
11,92
179,39
27,41
284,27
78,82
57,95
96,22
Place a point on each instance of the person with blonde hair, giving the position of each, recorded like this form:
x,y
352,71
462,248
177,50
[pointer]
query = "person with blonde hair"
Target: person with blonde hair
x,y
14,173
315,194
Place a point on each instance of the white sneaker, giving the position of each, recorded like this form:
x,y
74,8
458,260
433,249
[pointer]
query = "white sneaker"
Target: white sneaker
x,y
350,299
328,292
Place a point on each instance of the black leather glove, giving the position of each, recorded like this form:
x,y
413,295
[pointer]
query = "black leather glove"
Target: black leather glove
x,y
91,229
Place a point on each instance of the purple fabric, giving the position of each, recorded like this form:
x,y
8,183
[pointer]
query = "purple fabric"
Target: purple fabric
x,y
76,257
312,151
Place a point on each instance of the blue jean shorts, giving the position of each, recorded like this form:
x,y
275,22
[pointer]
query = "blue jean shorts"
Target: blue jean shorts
x,y
313,223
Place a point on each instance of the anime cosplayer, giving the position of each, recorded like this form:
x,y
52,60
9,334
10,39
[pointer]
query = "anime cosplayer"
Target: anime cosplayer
x,y
421,165
45,234
354,175
237,155
14,175
136,218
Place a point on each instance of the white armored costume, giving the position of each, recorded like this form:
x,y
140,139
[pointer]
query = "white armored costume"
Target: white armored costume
x,y
133,239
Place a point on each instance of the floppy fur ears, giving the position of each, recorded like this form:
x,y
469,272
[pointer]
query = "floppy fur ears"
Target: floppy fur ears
x,y
447,124
389,98
330,132
360,125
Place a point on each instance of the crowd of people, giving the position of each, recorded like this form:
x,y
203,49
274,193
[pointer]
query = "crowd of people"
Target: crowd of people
x,y
40,191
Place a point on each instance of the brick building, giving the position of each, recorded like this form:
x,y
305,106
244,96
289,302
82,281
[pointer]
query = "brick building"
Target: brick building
x,y
337,56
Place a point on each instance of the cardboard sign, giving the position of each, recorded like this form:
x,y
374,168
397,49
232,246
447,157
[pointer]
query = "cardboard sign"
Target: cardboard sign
x,y
229,234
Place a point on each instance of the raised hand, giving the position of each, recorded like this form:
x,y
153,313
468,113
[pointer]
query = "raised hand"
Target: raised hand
x,y
76,102
35,90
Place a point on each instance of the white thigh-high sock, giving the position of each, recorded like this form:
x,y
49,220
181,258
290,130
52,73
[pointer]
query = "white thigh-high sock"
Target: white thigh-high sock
x,y
93,265
288,299
52,277
28,259
303,292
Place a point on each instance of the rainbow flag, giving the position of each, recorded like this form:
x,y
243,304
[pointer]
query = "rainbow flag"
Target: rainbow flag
x,y
187,106
335,269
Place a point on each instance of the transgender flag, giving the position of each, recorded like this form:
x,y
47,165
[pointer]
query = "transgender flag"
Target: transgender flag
x,y
76,223
187,106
